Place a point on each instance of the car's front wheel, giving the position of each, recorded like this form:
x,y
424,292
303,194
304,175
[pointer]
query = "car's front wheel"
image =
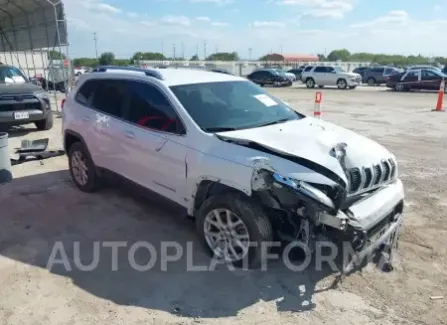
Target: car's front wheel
x,y
235,229
45,124
342,84
82,168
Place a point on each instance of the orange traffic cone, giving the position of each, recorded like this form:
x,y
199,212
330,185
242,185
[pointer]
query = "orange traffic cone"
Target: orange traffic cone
x,y
440,98
318,102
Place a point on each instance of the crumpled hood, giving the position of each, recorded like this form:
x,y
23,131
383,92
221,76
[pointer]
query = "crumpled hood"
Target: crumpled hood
x,y
313,139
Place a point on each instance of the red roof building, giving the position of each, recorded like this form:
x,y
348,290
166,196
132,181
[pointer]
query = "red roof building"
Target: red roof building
x,y
291,57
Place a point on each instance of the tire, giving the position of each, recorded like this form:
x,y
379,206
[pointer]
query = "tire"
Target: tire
x,y
399,87
46,124
310,83
321,86
92,183
371,81
352,87
342,84
250,213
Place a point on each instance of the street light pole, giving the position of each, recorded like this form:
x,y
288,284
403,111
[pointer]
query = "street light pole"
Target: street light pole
x,y
95,39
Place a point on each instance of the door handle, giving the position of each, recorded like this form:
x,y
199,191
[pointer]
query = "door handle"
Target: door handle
x,y
129,134
86,118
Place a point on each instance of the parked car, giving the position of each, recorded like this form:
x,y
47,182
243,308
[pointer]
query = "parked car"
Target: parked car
x,y
289,75
378,75
360,70
417,79
21,101
221,148
270,77
444,71
297,72
330,76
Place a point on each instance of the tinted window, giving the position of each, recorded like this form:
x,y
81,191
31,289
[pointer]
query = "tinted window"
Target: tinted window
x,y
377,70
307,69
330,69
256,74
320,69
429,74
149,107
109,97
413,74
232,104
85,92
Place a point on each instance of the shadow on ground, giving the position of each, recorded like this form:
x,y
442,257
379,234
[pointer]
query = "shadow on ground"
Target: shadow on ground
x,y
17,131
46,209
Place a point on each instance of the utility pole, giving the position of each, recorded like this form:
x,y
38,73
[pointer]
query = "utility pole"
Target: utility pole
x,y
95,39
162,48
173,51
204,50
249,53
197,50
217,49
280,49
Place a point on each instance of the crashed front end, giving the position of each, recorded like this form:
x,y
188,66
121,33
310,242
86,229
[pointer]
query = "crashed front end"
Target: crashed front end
x,y
365,211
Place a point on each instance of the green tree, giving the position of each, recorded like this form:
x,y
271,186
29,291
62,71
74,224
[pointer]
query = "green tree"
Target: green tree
x,y
149,56
85,62
343,55
195,57
223,56
321,57
55,55
107,58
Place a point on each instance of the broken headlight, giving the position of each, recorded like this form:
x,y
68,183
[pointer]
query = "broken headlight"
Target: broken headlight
x,y
306,191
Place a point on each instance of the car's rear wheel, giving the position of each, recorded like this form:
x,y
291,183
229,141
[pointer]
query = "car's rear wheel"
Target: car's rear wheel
x,y
234,229
310,83
342,84
82,168
371,81
45,124
399,87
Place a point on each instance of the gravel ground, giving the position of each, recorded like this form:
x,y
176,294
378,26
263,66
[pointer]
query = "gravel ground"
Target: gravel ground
x,y
41,207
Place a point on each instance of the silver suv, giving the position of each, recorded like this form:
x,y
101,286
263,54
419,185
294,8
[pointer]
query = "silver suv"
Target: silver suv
x,y
330,76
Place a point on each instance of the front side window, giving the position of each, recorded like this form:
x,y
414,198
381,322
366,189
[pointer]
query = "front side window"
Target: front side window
x,y
85,92
232,105
307,69
149,108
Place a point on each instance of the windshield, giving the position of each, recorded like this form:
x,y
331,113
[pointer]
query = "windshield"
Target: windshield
x,y
339,70
232,105
10,75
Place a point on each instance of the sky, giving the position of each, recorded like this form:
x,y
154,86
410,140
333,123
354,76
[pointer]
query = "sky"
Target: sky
x,y
255,27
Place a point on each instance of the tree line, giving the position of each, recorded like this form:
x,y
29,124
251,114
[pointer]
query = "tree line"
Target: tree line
x,y
109,58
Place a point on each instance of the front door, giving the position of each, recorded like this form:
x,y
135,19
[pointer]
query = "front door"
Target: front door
x,y
157,151
430,80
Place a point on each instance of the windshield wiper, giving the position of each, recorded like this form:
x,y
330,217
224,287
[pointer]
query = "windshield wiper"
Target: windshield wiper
x,y
219,129
274,122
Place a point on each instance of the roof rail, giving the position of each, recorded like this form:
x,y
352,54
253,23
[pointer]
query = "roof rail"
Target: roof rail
x,y
148,72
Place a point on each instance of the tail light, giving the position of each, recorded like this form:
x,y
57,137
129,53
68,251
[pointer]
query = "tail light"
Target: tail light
x,y
62,103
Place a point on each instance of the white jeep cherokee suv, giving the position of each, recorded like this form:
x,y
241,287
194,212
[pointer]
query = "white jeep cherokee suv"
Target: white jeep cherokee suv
x,y
330,76
243,163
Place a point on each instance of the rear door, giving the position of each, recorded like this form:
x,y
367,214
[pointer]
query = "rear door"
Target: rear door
x,y
412,79
108,102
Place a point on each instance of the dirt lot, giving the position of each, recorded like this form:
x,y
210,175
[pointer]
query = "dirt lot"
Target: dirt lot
x,y
42,207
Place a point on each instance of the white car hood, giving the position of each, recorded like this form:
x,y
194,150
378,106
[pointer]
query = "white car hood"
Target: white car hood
x,y
313,139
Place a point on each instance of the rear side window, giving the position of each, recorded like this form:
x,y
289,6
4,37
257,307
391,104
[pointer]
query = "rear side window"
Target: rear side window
x,y
377,70
85,92
109,96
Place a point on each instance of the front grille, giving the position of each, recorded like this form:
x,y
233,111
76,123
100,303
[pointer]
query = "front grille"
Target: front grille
x,y
19,102
367,178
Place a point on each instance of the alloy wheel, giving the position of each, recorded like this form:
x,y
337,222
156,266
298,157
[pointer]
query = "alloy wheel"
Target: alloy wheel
x,y
226,235
79,168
